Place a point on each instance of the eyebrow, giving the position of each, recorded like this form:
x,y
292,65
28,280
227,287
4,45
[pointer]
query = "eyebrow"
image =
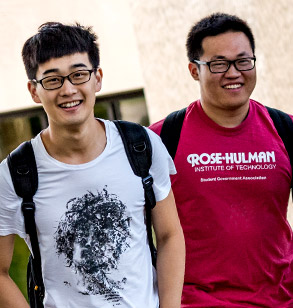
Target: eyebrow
x,y
56,70
218,57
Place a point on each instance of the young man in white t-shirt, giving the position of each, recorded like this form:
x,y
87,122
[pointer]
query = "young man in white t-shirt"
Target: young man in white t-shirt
x,y
89,204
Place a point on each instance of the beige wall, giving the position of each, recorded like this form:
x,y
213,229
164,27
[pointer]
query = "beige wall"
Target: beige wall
x,y
161,28
143,46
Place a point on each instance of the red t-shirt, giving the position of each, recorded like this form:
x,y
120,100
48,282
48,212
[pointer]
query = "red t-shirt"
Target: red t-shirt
x,y
231,189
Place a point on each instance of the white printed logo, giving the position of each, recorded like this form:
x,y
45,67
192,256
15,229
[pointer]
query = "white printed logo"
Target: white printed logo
x,y
231,158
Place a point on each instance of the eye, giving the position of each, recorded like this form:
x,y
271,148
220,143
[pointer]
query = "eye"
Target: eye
x,y
244,62
79,75
52,80
219,64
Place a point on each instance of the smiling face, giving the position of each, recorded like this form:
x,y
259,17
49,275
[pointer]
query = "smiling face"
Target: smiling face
x,y
229,91
70,105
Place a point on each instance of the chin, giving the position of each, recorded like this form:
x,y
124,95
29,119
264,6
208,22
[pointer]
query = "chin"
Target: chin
x,y
236,104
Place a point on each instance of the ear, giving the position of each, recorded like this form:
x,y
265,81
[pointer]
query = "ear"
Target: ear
x,y
32,87
194,70
99,77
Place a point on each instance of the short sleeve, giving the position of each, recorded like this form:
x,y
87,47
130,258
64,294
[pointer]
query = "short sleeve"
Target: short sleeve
x,y
162,167
11,218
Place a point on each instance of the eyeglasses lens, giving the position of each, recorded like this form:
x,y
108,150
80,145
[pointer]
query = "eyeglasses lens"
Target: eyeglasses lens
x,y
221,66
55,82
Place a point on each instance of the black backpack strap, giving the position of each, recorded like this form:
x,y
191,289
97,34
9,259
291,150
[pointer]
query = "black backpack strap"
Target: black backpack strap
x,y
171,130
24,174
138,149
284,126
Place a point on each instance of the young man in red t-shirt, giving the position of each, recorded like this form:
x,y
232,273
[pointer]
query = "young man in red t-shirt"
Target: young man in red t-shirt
x,y
233,178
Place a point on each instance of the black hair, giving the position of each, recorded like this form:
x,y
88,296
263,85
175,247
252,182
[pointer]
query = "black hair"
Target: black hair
x,y
213,25
55,40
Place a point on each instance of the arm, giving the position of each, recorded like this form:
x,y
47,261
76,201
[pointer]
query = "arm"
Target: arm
x,y
171,252
10,295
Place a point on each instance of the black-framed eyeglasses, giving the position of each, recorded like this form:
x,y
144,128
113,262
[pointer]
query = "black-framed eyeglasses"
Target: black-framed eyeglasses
x,y
55,82
222,66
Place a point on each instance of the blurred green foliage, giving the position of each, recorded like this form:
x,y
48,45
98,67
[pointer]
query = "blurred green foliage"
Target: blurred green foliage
x,y
19,264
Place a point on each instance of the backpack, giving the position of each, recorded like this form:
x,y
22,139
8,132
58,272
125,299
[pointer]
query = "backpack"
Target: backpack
x,y
171,129
24,174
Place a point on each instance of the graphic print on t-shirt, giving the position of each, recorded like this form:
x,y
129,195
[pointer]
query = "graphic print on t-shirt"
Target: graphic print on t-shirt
x,y
92,235
228,162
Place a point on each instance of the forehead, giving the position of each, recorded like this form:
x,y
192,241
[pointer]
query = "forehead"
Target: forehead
x,y
227,45
64,64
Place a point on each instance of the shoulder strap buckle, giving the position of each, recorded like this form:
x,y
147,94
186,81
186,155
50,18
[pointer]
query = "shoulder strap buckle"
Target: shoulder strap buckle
x,y
148,182
28,207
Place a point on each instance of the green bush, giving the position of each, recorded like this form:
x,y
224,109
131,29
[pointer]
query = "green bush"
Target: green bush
x,y
19,264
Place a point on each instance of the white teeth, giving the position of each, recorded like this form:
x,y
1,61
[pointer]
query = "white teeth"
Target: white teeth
x,y
233,86
69,105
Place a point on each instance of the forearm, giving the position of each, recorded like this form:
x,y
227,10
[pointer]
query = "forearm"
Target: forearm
x,y
170,270
10,295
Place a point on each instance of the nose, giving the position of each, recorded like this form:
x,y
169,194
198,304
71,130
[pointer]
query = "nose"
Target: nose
x,y
232,71
67,88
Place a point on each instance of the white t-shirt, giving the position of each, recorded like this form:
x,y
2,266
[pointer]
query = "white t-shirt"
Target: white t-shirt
x,y
90,223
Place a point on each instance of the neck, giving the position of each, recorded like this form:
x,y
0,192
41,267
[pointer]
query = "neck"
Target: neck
x,y
228,118
76,145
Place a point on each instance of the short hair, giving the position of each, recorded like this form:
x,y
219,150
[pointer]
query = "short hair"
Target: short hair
x,y
213,25
55,40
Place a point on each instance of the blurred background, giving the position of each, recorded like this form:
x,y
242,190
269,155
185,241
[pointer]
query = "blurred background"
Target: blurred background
x,y
143,58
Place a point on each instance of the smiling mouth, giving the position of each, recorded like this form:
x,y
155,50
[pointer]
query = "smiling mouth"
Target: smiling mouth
x,y
233,86
70,104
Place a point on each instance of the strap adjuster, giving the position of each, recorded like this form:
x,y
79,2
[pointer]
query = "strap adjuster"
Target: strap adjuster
x,y
147,181
28,206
